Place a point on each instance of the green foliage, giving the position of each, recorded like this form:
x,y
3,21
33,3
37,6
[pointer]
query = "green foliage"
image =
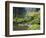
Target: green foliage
x,y
19,19
34,27
35,18
32,18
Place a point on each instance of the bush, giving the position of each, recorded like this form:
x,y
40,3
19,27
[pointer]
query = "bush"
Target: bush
x,y
34,27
